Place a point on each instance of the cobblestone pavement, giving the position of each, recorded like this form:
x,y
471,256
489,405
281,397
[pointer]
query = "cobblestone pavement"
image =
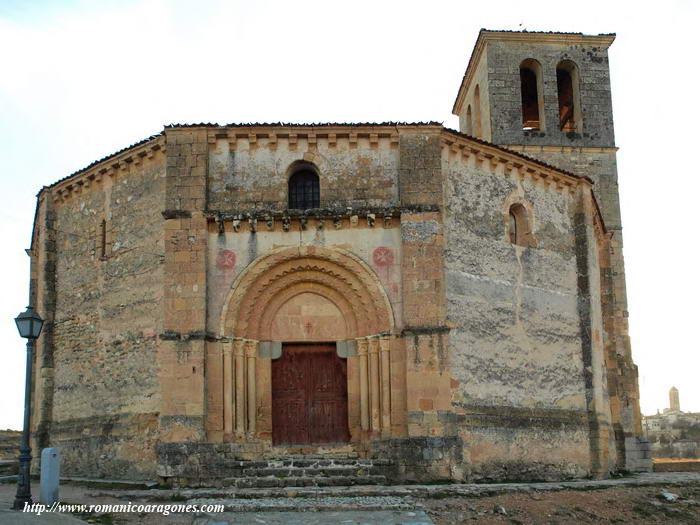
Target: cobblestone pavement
x,y
345,517
319,503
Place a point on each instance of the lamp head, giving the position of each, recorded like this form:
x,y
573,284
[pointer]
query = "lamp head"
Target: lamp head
x,y
29,323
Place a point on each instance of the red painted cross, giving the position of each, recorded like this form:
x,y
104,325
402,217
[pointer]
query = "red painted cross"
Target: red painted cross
x,y
383,256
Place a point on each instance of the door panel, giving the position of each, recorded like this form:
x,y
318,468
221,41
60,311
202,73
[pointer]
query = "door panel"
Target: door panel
x,y
309,396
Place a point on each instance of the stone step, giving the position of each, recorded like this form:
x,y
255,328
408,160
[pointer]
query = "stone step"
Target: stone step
x,y
314,472
304,471
327,455
281,482
334,503
307,462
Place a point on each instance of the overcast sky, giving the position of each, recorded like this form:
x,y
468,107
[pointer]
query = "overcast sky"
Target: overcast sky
x,y
82,79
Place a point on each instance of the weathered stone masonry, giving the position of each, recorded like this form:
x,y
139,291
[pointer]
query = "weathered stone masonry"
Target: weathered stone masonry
x,y
589,151
172,275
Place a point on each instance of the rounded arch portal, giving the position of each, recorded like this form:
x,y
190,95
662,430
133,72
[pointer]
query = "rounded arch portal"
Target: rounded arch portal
x,y
328,282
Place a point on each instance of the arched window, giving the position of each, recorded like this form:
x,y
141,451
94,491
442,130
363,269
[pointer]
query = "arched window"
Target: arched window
x,y
531,94
568,91
470,127
519,225
477,113
304,190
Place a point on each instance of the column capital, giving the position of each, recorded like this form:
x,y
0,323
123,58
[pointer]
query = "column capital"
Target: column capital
x,y
362,344
251,348
238,346
384,342
373,344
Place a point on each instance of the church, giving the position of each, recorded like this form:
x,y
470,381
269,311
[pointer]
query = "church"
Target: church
x,y
250,304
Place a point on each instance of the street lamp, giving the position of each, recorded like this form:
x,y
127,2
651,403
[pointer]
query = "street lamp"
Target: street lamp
x,y
29,324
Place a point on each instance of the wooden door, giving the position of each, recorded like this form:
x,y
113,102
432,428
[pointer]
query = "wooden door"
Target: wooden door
x,y
309,396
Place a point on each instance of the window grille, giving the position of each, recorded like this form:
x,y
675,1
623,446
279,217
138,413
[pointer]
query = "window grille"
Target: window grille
x,y
304,191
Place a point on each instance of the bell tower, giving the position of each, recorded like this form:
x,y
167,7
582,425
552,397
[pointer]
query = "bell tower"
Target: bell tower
x,y
547,95
674,400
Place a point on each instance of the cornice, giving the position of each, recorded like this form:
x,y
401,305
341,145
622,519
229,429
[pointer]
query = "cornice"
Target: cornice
x,y
108,167
604,40
331,133
562,148
467,146
494,157
499,160
468,74
254,219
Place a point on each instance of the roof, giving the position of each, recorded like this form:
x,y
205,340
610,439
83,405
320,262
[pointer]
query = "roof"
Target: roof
x,y
317,125
243,125
603,39
305,125
98,161
516,153
428,124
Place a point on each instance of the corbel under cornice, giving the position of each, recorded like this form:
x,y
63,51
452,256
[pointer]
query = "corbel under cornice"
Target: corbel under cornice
x,y
513,161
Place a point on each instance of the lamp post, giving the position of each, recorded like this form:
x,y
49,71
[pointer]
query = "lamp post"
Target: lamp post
x,y
29,324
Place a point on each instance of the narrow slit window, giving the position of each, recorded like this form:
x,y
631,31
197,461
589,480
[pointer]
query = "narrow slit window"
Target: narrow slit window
x,y
477,113
103,239
513,227
470,127
304,192
531,94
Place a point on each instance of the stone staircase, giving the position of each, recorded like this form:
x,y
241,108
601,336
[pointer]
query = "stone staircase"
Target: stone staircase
x,y
307,471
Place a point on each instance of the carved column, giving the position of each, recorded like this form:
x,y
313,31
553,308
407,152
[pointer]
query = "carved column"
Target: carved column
x,y
239,351
364,387
251,354
229,392
385,349
374,383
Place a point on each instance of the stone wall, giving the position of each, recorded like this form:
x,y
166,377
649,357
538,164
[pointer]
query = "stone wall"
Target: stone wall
x,y
517,347
480,122
589,151
251,171
9,444
504,59
99,348
474,358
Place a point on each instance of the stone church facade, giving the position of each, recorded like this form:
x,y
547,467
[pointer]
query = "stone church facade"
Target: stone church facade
x,y
452,303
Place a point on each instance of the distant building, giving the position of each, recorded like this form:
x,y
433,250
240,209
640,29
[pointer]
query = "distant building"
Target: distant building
x,y
674,400
673,433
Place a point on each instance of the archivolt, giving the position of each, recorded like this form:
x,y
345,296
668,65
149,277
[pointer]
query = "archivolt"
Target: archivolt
x,y
335,274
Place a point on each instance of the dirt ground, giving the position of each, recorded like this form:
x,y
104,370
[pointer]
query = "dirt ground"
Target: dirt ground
x,y
613,504
638,505
633,505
